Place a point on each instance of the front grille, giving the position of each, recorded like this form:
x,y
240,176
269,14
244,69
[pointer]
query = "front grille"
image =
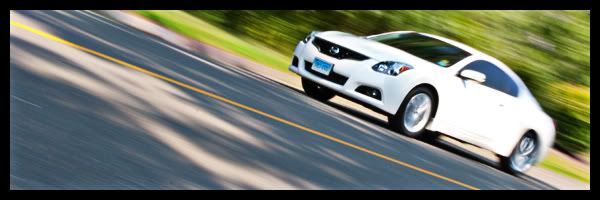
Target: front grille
x,y
333,77
324,47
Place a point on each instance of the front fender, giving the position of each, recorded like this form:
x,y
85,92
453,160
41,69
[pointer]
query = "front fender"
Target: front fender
x,y
401,85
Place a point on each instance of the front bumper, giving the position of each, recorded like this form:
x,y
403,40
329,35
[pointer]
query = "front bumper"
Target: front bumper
x,y
357,73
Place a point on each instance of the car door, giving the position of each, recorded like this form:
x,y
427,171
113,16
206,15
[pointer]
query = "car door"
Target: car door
x,y
487,107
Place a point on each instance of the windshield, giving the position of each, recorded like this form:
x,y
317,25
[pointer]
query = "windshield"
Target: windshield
x,y
427,48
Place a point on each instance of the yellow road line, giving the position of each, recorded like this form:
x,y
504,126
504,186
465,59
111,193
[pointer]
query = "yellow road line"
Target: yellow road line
x,y
223,99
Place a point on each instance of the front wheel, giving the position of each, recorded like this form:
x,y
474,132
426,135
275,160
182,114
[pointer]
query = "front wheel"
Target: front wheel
x,y
523,156
316,91
414,114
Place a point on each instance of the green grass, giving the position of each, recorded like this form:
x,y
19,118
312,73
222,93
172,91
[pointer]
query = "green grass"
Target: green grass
x,y
200,30
566,167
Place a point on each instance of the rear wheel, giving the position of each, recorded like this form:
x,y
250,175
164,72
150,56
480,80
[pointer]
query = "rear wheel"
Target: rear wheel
x,y
414,114
523,156
316,91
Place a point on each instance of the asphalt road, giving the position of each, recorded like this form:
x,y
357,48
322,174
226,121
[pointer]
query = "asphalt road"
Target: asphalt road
x,y
80,121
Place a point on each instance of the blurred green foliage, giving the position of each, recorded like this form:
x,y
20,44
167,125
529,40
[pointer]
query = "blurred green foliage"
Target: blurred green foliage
x,y
550,50
570,107
209,34
567,167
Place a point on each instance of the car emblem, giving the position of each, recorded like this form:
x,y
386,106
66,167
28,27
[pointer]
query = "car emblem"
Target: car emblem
x,y
334,50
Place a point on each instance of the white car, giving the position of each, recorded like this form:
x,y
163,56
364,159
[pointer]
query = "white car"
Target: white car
x,y
426,82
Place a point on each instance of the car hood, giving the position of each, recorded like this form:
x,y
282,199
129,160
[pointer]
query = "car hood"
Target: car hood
x,y
372,49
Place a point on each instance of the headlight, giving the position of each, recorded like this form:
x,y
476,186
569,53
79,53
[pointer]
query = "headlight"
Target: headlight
x,y
391,67
307,38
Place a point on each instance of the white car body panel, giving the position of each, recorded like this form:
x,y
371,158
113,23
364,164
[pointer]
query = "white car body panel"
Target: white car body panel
x,y
464,106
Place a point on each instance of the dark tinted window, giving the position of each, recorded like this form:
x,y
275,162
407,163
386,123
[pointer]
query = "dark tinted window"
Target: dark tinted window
x,y
494,77
427,48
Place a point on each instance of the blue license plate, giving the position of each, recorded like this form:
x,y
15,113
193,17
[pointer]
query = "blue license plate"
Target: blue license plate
x,y
321,66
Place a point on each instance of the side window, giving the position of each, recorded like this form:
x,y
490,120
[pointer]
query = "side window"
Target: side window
x,y
495,77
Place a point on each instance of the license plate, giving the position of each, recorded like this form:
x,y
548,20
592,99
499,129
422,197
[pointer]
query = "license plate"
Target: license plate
x,y
321,66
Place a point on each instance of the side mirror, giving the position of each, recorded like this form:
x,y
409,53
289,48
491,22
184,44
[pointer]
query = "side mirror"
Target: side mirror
x,y
473,75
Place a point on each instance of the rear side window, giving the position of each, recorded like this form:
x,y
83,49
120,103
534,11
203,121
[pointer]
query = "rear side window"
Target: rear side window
x,y
495,77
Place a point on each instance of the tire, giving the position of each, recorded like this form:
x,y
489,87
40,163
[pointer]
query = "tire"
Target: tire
x,y
316,91
397,121
509,165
